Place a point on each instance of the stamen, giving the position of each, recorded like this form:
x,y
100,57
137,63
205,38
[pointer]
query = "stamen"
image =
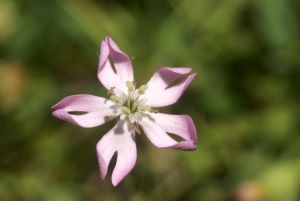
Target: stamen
x,y
135,81
115,99
126,110
130,86
110,117
136,128
142,89
134,106
154,111
111,90
128,103
145,108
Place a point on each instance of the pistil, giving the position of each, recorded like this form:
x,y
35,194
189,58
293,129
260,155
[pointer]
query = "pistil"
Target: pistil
x,y
126,110
130,105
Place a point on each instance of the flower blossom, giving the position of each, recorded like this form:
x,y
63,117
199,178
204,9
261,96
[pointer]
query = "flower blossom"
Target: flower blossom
x,y
136,109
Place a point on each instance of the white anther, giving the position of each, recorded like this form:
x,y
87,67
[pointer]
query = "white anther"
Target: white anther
x,y
145,107
115,99
142,89
126,110
130,86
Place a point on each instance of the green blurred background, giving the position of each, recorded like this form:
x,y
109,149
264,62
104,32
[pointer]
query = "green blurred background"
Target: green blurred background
x,y
244,101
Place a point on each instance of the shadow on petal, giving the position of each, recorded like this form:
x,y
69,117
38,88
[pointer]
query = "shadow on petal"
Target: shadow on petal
x,y
119,130
148,116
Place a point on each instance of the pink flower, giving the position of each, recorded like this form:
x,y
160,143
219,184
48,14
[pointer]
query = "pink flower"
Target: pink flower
x,y
133,107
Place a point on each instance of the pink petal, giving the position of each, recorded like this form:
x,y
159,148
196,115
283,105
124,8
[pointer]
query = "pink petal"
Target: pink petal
x,y
97,109
122,64
120,138
156,127
158,94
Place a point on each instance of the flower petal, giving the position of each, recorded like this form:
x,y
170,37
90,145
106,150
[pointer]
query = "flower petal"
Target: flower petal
x,y
120,138
158,94
121,62
156,127
97,109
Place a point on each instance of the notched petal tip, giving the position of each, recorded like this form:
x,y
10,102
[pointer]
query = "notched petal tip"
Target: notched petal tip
x,y
111,43
191,128
117,72
59,105
160,94
180,125
107,38
119,139
92,110
192,76
184,146
103,167
115,182
179,70
56,113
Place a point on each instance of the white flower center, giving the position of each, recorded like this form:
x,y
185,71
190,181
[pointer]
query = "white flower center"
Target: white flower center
x,y
130,104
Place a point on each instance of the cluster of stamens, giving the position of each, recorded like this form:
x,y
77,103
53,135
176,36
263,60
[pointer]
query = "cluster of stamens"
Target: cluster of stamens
x,y
130,105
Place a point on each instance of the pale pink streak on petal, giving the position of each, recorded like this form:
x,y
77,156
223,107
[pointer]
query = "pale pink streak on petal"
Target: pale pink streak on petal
x,y
156,127
97,109
121,62
158,94
120,138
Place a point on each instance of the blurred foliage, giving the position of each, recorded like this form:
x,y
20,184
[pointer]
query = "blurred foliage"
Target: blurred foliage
x,y
244,102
